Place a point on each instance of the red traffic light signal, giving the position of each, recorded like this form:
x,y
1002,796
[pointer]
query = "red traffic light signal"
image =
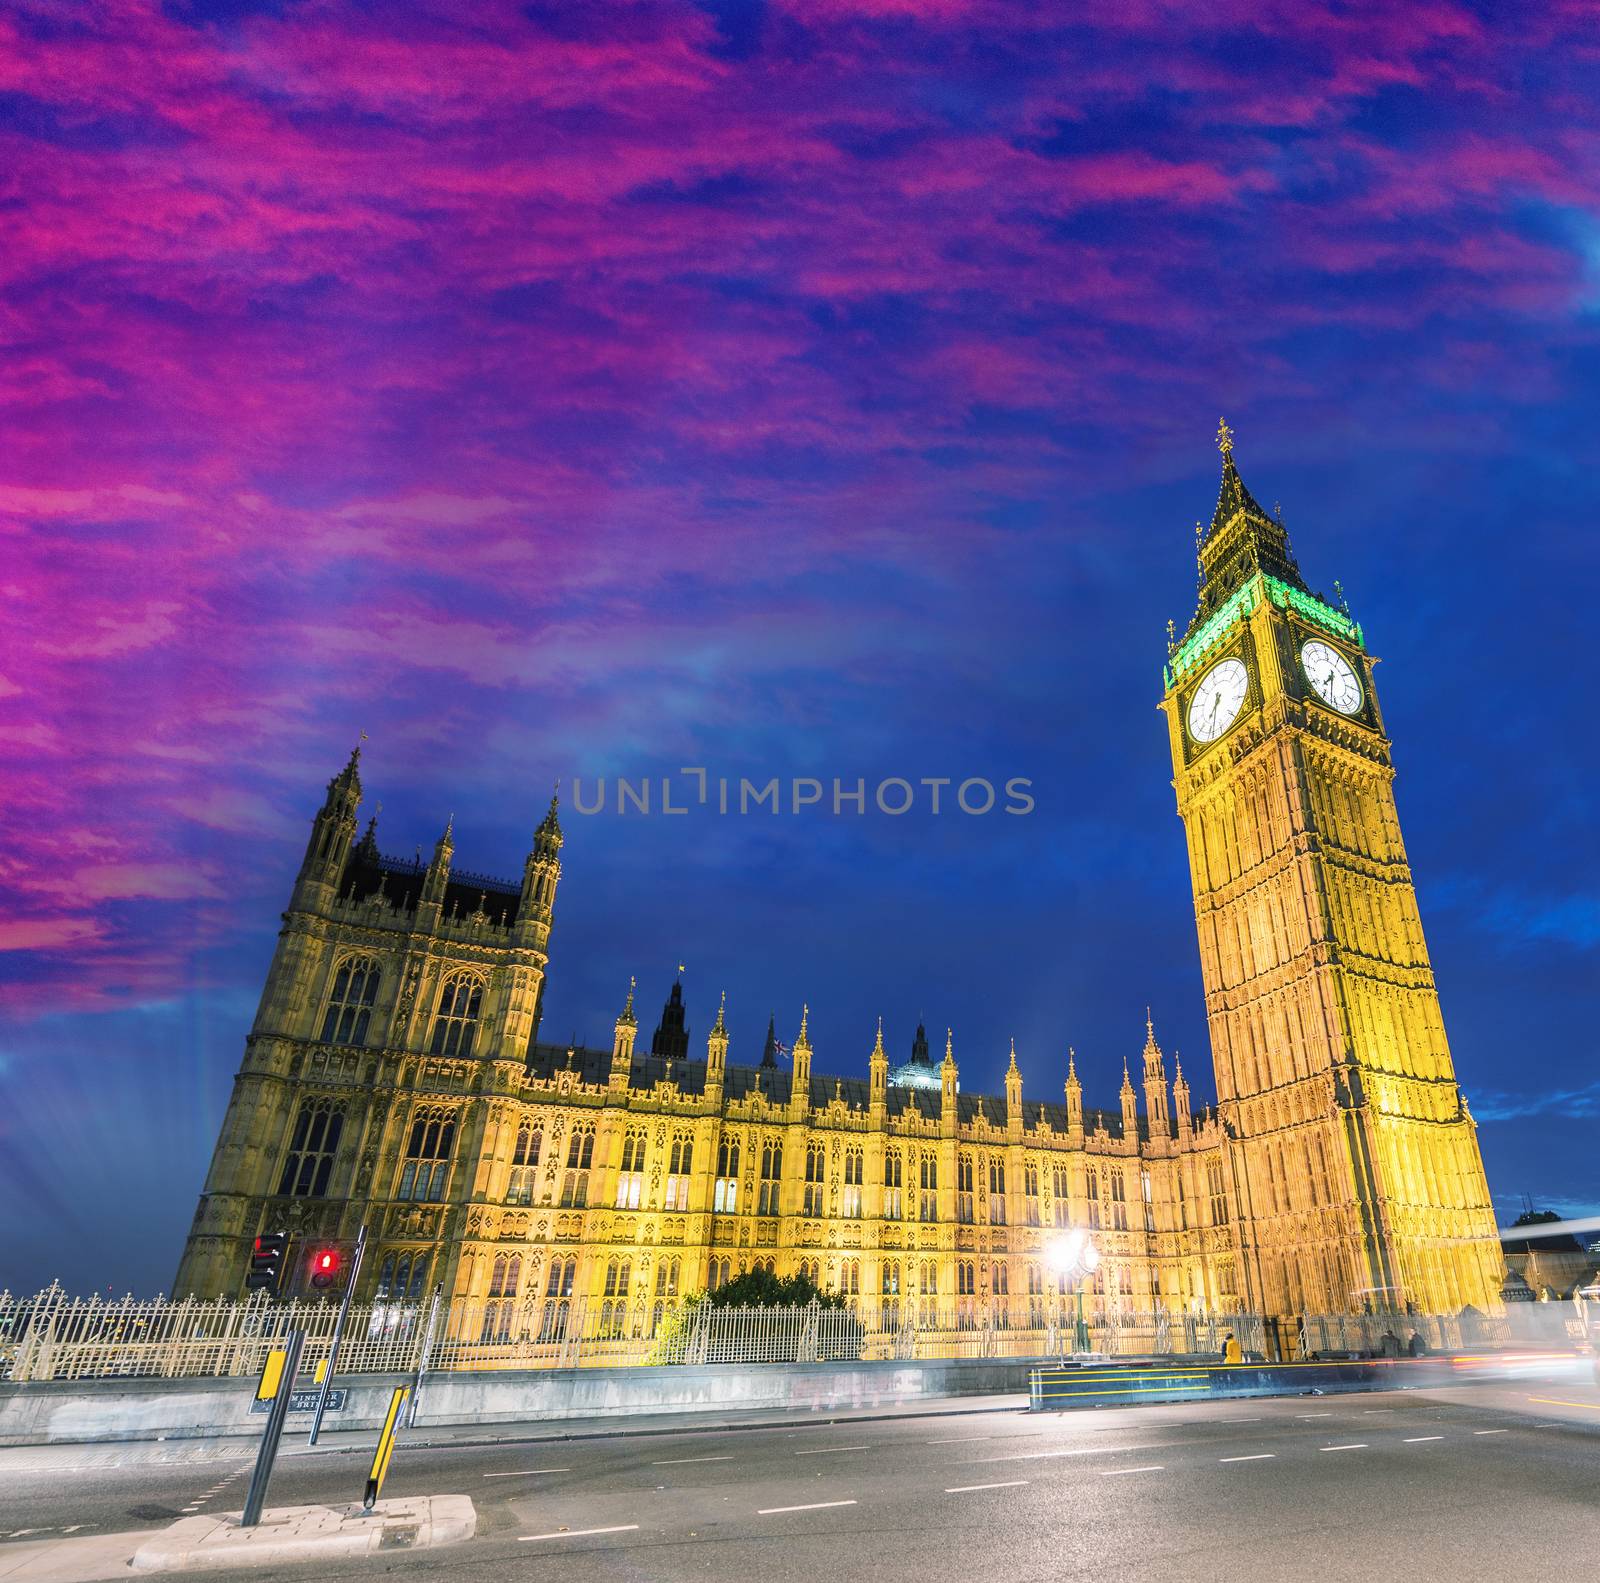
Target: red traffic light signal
x,y
325,1264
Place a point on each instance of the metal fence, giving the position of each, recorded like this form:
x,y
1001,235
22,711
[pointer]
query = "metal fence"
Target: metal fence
x,y
55,1336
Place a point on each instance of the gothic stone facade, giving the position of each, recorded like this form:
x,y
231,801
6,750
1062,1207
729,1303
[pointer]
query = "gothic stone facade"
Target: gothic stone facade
x,y
393,1076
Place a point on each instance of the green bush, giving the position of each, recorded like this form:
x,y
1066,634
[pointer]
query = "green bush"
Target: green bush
x,y
757,1289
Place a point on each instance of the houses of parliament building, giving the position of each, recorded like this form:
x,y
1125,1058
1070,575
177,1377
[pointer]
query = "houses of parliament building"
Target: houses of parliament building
x,y
393,1076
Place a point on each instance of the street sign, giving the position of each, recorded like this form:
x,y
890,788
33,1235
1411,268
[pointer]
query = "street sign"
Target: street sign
x,y
305,1402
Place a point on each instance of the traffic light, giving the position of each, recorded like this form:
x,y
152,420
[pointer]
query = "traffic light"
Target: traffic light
x,y
267,1261
325,1263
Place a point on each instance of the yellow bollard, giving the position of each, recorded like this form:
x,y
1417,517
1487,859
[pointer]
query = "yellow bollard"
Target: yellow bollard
x,y
380,1460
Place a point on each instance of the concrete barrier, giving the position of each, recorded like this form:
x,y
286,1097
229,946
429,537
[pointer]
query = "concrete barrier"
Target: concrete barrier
x,y
1055,1388
58,1412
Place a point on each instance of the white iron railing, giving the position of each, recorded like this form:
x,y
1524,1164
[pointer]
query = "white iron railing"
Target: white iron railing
x,y
55,1336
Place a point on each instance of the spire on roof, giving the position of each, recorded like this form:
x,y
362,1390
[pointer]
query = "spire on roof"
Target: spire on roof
x,y
627,1016
1241,541
671,1038
1072,1065
720,1025
877,1047
769,1051
1013,1066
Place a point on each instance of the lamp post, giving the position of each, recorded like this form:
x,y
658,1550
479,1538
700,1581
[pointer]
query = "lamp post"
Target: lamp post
x,y
1075,1255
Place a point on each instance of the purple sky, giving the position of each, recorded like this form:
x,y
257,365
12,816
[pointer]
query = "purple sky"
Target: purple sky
x,y
812,389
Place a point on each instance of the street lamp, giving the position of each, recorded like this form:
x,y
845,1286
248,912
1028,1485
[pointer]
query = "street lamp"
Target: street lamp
x,y
1075,1255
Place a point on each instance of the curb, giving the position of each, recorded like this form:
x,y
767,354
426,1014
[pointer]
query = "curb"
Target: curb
x,y
308,1533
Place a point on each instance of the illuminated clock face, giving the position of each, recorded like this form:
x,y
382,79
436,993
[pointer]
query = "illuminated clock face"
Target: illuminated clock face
x,y
1331,677
1217,700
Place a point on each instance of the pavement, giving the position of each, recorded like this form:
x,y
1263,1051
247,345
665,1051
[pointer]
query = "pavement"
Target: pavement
x,y
1490,1481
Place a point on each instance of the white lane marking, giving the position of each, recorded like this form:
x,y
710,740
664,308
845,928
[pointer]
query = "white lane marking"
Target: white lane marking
x,y
828,1451
1359,1445
522,1473
960,1440
814,1506
1416,1440
678,1462
579,1533
1377,1409
1238,1420
1255,1456
1075,1451
1111,1473
1004,1484
1313,1415
1491,1431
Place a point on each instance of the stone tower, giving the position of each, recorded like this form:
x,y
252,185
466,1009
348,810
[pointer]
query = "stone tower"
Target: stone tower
x,y
1355,1163
397,987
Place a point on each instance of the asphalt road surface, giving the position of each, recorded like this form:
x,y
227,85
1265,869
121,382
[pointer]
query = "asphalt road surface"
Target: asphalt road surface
x,y
1495,1482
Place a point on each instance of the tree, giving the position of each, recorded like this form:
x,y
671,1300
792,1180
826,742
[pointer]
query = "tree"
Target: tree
x,y
758,1288
1536,1217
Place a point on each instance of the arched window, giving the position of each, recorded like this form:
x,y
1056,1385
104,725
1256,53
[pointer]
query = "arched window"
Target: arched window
x,y
401,1278
771,1178
850,1198
503,1284
456,1023
1061,1193
630,1179
893,1186
422,1178
997,1193
681,1163
964,1189
524,1165
575,1184
928,1207
355,988
816,1179
850,1278
312,1146
558,1299
725,1196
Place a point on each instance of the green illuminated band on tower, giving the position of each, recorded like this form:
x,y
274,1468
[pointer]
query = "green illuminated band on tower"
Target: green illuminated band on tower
x,y
1193,649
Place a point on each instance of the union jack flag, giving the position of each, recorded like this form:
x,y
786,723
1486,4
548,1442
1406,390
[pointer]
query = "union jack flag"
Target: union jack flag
x,y
779,1047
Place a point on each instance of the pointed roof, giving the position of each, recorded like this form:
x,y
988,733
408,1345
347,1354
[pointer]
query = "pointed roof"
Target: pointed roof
x,y
769,1051
1242,540
627,1019
550,825
671,1038
1233,497
1012,1069
720,1026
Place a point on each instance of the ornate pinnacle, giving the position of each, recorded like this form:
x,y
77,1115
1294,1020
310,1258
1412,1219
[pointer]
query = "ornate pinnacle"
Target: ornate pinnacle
x,y
1224,437
1072,1065
720,1025
877,1048
1013,1065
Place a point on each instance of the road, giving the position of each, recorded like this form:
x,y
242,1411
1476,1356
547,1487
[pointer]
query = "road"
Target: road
x,y
1486,1482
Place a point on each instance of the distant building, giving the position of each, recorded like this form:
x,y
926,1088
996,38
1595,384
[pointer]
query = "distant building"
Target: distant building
x,y
1553,1265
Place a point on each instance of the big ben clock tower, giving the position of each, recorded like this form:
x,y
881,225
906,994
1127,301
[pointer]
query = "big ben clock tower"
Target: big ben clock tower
x,y
1355,1161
